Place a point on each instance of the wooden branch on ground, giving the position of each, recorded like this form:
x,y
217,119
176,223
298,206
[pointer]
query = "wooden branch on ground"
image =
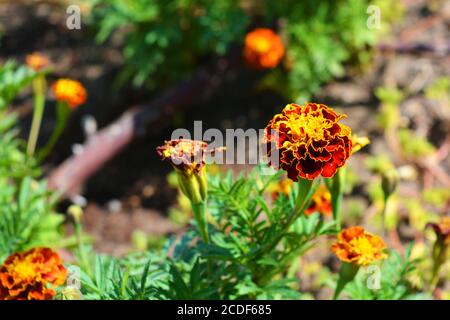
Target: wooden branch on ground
x,y
69,177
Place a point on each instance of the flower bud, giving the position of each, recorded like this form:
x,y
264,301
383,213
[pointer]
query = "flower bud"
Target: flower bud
x,y
75,212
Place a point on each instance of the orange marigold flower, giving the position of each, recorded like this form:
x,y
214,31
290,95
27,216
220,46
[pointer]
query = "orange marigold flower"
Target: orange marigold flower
x,y
309,140
359,247
70,91
442,230
320,202
263,49
26,275
37,61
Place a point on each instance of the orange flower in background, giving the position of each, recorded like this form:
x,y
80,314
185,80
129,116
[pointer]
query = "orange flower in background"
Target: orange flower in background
x,y
442,230
358,247
309,140
280,187
188,156
320,202
70,91
263,49
26,276
37,61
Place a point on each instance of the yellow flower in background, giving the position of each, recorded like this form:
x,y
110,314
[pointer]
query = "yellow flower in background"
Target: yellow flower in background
x,y
26,276
309,140
37,61
358,142
69,91
263,49
320,202
356,246
282,186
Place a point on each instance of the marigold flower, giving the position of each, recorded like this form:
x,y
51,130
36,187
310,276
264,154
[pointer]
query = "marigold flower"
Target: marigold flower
x,y
309,140
37,61
263,49
320,202
70,91
26,275
442,230
358,247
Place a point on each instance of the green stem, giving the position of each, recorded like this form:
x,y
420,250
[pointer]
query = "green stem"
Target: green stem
x,y
346,274
337,193
84,260
62,115
439,257
305,193
39,87
199,210
383,214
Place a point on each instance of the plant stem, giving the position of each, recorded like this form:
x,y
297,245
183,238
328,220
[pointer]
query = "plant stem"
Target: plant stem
x,y
305,193
337,193
62,115
39,87
84,260
199,210
347,273
383,215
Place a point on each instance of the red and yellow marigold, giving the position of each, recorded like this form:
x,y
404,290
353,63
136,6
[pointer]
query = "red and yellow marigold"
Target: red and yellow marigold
x,y
28,275
69,91
37,61
359,247
263,49
320,202
309,140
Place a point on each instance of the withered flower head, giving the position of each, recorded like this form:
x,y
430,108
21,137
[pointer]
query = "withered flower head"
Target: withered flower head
x,y
37,61
358,247
320,202
263,49
188,157
185,155
309,140
27,275
69,91
442,230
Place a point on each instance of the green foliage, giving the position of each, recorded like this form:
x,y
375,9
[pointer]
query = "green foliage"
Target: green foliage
x,y
168,38
420,148
394,284
249,253
27,217
321,37
13,78
165,40
136,277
